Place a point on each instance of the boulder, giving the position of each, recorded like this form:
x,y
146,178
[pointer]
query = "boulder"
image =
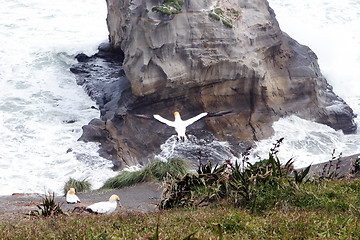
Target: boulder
x,y
210,56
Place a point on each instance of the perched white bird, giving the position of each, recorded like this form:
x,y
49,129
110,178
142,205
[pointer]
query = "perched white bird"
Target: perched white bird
x,y
104,207
71,197
179,124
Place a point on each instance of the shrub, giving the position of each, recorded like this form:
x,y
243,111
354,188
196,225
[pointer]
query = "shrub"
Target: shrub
x,y
49,207
256,186
195,189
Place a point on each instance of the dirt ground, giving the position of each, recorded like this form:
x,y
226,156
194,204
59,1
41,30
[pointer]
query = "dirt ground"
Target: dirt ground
x,y
142,197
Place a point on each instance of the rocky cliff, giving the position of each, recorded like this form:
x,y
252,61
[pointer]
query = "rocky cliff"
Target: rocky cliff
x,y
208,55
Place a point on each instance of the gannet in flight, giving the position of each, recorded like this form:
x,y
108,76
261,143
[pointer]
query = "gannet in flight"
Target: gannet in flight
x,y
179,124
71,197
104,207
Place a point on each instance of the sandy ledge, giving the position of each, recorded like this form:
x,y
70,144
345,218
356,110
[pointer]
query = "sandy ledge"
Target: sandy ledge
x,y
142,197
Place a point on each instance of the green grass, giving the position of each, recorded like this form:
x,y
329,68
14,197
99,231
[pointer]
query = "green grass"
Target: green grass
x,y
260,187
235,12
214,16
277,208
155,171
80,186
226,17
324,218
219,11
227,22
260,202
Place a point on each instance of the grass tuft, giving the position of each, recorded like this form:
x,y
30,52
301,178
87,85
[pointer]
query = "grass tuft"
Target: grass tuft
x,y
80,186
155,171
214,16
226,16
169,7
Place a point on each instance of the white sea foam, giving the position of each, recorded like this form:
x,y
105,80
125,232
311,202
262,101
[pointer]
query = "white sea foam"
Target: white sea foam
x,y
39,97
331,29
210,148
307,142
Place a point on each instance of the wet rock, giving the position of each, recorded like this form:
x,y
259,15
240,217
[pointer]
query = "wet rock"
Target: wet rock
x,y
192,63
81,57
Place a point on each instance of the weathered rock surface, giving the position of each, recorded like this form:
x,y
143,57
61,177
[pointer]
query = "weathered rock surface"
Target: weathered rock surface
x,y
191,63
342,167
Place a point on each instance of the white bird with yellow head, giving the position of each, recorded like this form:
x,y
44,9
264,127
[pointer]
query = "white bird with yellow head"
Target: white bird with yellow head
x,y
71,197
104,207
179,124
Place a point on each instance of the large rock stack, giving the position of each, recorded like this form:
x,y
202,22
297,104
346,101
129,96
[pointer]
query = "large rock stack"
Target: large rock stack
x,y
211,55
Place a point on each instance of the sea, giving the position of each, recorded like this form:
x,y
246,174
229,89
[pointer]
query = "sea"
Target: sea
x,y
331,29
42,109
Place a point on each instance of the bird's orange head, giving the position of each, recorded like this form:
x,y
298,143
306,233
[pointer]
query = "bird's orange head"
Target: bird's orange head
x,y
114,198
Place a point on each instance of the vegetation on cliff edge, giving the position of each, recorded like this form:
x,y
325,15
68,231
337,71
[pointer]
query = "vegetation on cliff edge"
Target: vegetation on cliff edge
x,y
155,171
329,210
80,186
229,201
226,16
169,7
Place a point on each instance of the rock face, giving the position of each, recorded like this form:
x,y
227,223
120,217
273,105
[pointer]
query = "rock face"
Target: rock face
x,y
340,167
213,55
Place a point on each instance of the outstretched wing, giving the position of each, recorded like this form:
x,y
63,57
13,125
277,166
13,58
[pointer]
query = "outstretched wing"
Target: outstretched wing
x,y
194,119
144,116
157,117
216,114
163,120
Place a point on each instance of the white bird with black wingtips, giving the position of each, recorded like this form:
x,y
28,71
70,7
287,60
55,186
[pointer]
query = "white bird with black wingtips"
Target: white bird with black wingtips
x,y
104,207
179,124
